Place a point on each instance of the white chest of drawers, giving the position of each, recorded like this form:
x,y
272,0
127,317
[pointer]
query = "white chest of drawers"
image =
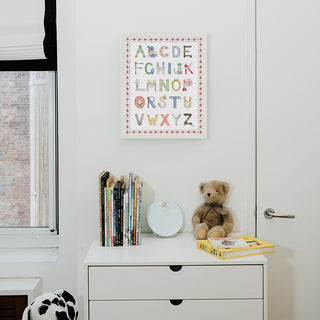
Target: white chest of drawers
x,y
171,279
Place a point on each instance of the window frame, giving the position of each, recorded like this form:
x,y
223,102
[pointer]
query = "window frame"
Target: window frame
x,y
42,237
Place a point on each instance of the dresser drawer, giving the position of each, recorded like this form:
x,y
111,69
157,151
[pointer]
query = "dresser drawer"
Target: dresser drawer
x,y
187,310
191,282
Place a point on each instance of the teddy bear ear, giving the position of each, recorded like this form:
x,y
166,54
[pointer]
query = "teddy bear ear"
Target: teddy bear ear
x,y
225,187
201,187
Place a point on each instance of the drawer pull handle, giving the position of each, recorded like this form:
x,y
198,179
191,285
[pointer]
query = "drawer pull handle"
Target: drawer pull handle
x,y
176,302
175,268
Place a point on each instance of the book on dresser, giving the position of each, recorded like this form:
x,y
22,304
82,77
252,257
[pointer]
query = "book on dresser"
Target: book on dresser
x,y
116,197
108,228
103,177
255,246
120,208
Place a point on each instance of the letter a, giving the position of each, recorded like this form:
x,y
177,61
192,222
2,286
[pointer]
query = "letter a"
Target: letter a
x,y
140,50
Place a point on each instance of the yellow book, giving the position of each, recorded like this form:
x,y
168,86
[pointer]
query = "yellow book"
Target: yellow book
x,y
256,246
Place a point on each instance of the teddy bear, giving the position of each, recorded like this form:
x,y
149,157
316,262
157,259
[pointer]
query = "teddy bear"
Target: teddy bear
x,y
211,219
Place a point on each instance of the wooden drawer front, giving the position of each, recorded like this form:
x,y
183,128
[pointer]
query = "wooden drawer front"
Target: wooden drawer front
x,y
12,307
187,310
191,282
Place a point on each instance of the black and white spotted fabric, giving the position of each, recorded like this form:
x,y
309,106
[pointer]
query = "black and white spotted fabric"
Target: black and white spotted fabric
x,y
58,305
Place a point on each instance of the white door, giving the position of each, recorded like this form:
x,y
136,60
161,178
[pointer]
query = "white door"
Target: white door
x,y
288,111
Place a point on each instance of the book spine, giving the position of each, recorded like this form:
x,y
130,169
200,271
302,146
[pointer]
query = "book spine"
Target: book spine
x,y
129,208
121,216
140,213
113,218
110,220
131,213
100,208
106,217
116,224
103,180
125,219
135,214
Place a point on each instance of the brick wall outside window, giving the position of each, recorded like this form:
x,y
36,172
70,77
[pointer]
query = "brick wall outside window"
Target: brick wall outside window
x,y
14,149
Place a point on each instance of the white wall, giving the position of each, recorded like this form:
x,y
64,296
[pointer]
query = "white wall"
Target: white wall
x,y
171,169
89,119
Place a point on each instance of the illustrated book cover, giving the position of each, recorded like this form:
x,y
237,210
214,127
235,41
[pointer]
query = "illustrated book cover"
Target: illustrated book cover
x,y
234,242
256,246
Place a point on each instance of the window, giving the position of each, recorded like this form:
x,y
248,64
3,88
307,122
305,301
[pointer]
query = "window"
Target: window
x,y
28,157
28,124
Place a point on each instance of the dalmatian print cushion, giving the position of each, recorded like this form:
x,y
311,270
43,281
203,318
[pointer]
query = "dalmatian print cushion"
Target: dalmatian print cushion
x,y
58,305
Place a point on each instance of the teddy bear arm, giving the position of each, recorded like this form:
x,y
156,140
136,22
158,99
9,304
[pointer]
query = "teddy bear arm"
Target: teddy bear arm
x,y
228,222
196,218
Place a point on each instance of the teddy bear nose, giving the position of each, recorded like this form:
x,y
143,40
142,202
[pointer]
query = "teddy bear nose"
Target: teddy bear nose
x,y
208,194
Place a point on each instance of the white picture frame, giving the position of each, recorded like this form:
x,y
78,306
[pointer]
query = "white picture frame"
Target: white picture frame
x,y
164,86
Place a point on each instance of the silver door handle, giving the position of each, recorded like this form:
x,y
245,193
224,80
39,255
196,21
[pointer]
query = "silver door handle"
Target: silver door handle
x,y
270,213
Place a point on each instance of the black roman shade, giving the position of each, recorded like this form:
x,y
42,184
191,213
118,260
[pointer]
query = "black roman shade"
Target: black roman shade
x,y
30,56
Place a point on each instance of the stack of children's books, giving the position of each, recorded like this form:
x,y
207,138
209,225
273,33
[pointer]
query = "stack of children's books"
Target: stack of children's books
x,y
235,247
120,204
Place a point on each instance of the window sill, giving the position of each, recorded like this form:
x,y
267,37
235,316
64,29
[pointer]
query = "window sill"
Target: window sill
x,y
29,255
28,241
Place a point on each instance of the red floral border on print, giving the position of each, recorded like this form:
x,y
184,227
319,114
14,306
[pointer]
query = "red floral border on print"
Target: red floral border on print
x,y
200,82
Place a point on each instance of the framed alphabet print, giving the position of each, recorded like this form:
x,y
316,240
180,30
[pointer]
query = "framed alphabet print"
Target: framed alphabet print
x,y
163,86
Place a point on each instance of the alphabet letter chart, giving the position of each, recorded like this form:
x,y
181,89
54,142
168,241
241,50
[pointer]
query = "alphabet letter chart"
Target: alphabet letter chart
x,y
163,86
